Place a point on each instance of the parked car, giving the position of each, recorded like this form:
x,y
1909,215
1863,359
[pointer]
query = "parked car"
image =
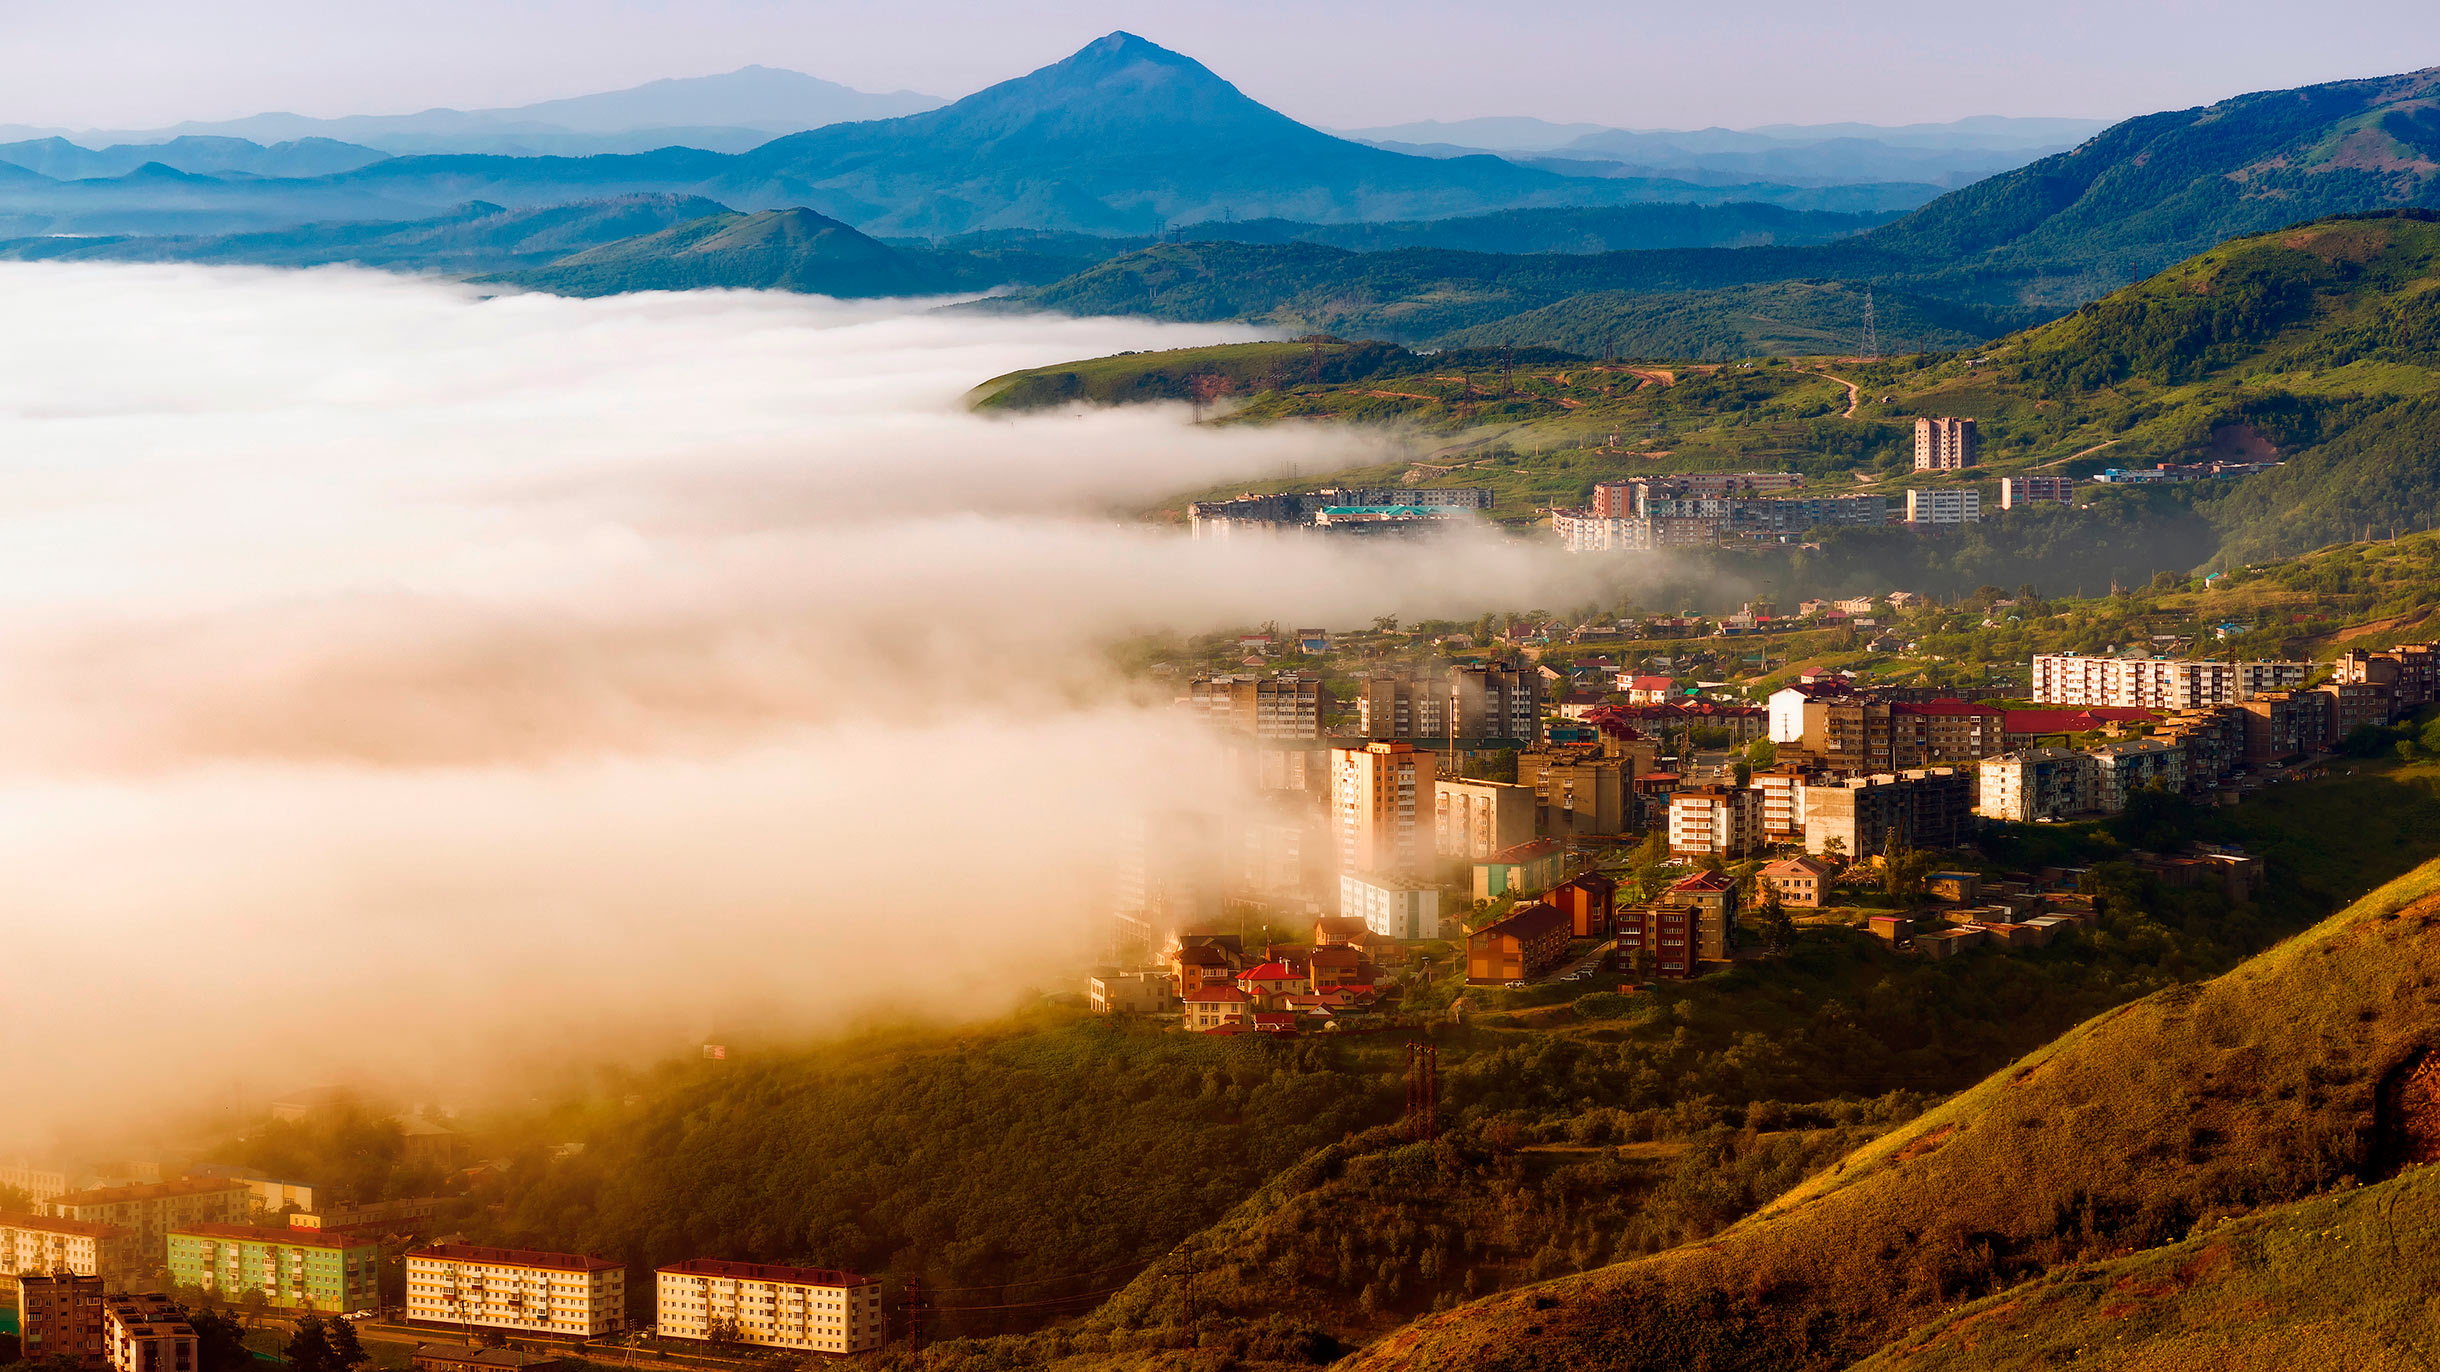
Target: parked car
x,y
1516,986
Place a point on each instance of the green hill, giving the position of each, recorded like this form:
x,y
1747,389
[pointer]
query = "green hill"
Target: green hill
x,y
2141,1128
1781,317
2045,237
791,250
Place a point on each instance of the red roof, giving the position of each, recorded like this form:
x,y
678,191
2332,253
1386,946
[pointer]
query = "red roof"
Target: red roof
x,y
1272,971
514,1257
1650,683
1219,991
1527,852
767,1271
2073,721
1527,921
1705,881
47,1224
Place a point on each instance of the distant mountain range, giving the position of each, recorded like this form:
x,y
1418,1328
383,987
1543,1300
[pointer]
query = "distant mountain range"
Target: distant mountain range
x,y
726,113
1123,138
1945,155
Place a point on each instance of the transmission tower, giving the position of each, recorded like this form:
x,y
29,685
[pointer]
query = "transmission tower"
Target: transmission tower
x,y
913,1307
1422,1092
1872,339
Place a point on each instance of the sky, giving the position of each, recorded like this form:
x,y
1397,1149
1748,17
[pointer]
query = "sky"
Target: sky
x,y
1338,63
397,677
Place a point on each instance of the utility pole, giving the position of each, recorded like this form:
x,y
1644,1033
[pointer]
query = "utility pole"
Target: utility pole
x,y
913,1305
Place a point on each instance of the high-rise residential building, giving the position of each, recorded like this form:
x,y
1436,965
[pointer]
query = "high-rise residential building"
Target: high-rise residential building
x,y
572,1295
1493,701
39,1181
37,1244
1474,819
1867,815
1937,506
1169,871
2123,767
1578,792
1403,705
148,1333
2411,671
1381,808
2148,683
1720,821
59,1314
325,1270
2017,492
765,1305
1945,445
153,1209
1289,705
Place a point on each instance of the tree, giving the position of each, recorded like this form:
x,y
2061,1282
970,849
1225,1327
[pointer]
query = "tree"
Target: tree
x,y
220,1342
1740,774
1385,624
346,1352
1834,848
1778,927
1761,753
309,1348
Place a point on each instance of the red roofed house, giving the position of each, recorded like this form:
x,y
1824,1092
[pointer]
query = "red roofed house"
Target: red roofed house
x,y
1330,967
1530,941
1646,690
1210,1007
2023,727
1201,964
1270,984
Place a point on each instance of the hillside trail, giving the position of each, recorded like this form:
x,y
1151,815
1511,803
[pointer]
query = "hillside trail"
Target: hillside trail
x,y
2088,452
1853,397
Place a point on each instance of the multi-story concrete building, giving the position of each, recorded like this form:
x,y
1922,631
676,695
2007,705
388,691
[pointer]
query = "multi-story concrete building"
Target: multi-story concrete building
x,y
1169,875
1796,514
1858,817
2146,683
1800,881
2017,492
1392,906
1945,445
571,1295
1380,807
2280,725
148,1333
1717,821
2411,671
1496,702
326,1270
1527,869
152,1210
1783,802
2357,704
1713,898
1579,792
1474,819
2126,766
2039,783
40,1181
1290,705
764,1305
59,1315
1403,706
38,1244
1943,505
1112,991
2213,741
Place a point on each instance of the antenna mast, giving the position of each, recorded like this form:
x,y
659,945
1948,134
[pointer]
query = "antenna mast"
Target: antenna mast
x,y
1872,340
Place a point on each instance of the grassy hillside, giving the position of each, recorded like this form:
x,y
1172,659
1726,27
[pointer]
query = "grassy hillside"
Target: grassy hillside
x,y
794,250
2341,1281
1782,317
2142,1127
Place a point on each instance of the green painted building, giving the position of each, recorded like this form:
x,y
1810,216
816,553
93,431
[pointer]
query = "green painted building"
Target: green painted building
x,y
294,1269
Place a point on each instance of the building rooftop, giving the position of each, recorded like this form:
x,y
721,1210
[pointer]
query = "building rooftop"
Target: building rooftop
x,y
767,1271
471,1356
1526,921
1527,852
283,1236
157,1190
1215,991
1705,881
48,1224
1271,971
515,1257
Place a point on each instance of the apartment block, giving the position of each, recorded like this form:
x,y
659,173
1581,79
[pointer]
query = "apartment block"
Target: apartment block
x,y
1168,874
153,1210
568,1294
1859,817
2017,492
1380,807
60,1315
1943,505
1578,792
1531,940
148,1333
1527,869
2410,670
1945,445
2280,725
1474,819
765,1305
325,1270
2122,768
2213,740
34,1245
2157,683
1782,789
2039,783
1800,881
1658,939
1590,902
1391,906
1719,821
1496,702
1292,705
2355,704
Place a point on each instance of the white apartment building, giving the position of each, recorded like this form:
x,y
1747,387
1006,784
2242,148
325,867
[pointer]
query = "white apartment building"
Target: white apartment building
x,y
1721,820
1381,808
2146,683
1944,505
1392,906
153,1209
466,1285
2039,783
2120,769
769,1306
33,1245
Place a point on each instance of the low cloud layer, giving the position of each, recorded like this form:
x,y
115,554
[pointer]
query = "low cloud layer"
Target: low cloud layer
x,y
395,671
